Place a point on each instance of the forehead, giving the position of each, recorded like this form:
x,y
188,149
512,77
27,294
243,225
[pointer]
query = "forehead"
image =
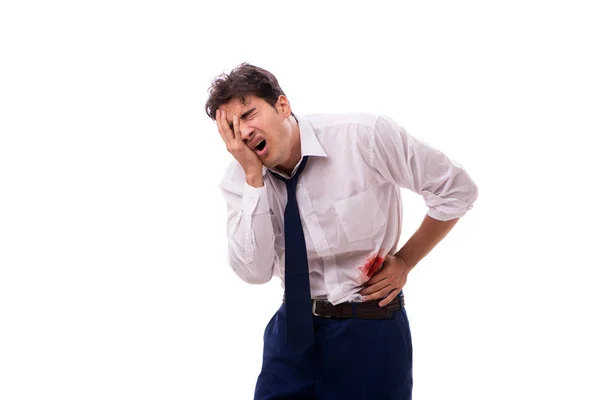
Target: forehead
x,y
236,106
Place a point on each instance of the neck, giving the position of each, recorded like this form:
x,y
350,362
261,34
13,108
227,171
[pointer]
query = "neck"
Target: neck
x,y
295,149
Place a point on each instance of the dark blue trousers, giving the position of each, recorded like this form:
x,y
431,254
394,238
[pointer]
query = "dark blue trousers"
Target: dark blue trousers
x,y
352,359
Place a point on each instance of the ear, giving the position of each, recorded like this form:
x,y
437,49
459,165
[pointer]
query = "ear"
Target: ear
x,y
283,106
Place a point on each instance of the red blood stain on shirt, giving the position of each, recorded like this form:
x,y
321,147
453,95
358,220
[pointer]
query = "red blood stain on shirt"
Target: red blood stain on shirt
x,y
371,265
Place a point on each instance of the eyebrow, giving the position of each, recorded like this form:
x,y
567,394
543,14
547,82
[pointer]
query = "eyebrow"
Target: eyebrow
x,y
250,111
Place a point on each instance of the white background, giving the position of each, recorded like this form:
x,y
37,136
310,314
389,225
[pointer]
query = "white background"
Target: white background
x,y
114,282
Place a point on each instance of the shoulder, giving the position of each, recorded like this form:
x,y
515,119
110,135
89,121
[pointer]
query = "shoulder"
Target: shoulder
x,y
350,122
362,128
350,128
341,122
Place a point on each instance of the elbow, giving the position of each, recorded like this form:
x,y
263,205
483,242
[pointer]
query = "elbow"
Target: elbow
x,y
463,197
473,193
253,273
254,279
453,198
450,207
470,197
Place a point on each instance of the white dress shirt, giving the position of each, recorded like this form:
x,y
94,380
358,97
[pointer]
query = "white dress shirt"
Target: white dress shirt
x,y
349,201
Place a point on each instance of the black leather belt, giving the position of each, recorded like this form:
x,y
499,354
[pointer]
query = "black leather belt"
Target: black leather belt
x,y
365,310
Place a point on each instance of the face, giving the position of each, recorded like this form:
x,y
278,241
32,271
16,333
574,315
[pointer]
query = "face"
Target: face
x,y
266,130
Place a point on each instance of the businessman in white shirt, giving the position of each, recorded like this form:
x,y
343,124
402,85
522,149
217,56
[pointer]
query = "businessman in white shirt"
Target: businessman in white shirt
x,y
315,201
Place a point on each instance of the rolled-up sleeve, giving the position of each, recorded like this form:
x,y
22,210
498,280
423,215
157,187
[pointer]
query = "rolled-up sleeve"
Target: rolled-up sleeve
x,y
448,190
251,252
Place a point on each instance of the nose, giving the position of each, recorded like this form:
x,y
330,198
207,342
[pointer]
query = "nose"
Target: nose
x,y
245,130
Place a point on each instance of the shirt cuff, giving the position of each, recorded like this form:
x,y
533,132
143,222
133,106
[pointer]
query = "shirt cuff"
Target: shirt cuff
x,y
254,200
441,216
447,216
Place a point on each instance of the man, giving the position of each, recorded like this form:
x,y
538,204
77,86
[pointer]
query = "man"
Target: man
x,y
316,202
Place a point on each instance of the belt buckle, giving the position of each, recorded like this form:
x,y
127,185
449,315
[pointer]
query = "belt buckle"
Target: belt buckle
x,y
314,310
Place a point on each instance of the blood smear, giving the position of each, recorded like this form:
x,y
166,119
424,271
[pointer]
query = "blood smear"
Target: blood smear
x,y
371,265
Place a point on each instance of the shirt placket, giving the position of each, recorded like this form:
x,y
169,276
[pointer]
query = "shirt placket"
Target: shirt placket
x,y
318,239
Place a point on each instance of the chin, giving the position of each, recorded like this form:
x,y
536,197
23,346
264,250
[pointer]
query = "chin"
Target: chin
x,y
269,162
270,165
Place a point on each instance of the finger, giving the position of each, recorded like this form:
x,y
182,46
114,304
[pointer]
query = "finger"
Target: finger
x,y
381,273
374,288
389,298
377,277
225,126
378,294
236,128
218,122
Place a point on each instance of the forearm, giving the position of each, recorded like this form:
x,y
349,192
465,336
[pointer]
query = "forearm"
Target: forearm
x,y
250,231
429,234
251,250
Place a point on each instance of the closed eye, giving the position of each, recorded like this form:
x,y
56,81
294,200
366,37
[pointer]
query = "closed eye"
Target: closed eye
x,y
248,114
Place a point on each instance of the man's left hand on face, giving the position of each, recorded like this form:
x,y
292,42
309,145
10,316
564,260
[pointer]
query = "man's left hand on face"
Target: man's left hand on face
x,y
387,282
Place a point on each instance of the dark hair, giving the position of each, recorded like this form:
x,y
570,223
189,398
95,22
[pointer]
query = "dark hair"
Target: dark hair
x,y
243,80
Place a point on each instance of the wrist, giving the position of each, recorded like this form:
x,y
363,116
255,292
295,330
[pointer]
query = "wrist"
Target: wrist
x,y
404,261
254,179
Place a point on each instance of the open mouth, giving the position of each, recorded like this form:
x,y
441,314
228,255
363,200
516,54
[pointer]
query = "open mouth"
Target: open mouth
x,y
261,145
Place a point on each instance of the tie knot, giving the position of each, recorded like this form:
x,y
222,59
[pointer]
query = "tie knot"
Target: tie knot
x,y
293,181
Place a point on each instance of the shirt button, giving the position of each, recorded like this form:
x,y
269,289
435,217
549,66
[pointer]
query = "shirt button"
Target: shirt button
x,y
328,258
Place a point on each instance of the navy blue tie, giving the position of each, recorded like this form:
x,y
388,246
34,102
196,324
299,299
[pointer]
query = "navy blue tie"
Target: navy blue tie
x,y
298,304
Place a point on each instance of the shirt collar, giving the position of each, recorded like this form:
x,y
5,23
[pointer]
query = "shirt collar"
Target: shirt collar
x,y
309,144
